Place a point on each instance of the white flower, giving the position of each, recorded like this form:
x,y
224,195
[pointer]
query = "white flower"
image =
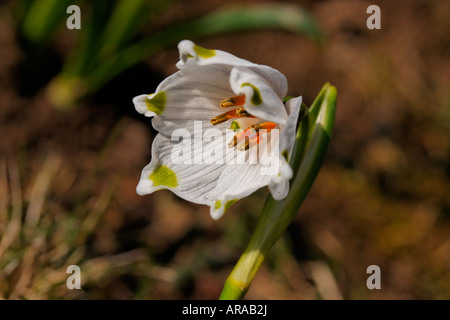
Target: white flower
x,y
216,90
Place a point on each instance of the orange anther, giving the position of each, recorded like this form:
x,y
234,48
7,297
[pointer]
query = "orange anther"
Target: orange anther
x,y
264,125
234,101
250,136
235,113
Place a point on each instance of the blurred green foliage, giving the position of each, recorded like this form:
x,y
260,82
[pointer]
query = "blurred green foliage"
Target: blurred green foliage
x,y
113,38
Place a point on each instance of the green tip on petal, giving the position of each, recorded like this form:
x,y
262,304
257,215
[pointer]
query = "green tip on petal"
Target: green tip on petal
x,y
157,103
285,154
235,126
204,53
256,97
218,204
229,203
163,176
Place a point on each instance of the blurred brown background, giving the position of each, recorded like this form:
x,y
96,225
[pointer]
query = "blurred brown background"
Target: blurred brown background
x,y
67,179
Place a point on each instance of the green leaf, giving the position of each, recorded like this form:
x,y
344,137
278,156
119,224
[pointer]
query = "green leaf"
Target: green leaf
x,y
233,19
84,57
42,19
110,25
97,62
123,24
246,18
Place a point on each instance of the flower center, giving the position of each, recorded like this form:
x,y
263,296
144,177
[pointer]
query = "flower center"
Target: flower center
x,y
250,136
235,113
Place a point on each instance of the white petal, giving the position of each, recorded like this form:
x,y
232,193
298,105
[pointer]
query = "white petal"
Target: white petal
x,y
280,190
193,181
145,104
220,206
190,94
191,54
236,182
215,184
288,132
276,79
260,98
279,187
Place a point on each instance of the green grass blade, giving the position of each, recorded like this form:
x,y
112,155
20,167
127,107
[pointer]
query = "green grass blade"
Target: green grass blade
x,y
19,11
123,24
42,19
243,18
84,57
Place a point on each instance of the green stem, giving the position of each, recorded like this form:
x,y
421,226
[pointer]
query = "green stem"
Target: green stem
x,y
277,215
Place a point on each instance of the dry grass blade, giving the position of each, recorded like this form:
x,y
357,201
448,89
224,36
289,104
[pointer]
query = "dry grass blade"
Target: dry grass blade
x,y
101,267
91,220
324,279
3,196
14,224
39,192
20,244
27,271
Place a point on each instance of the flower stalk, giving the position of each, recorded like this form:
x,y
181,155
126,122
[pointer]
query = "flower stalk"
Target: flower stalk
x,y
313,134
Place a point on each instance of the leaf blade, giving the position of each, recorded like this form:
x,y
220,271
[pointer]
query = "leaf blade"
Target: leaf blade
x,y
231,19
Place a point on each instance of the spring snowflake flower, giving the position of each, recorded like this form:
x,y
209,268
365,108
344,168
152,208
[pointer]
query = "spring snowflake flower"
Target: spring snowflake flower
x,y
224,131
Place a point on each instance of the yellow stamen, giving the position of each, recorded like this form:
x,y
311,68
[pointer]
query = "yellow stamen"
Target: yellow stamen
x,y
246,145
235,113
241,113
233,142
234,101
220,118
250,136
264,125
